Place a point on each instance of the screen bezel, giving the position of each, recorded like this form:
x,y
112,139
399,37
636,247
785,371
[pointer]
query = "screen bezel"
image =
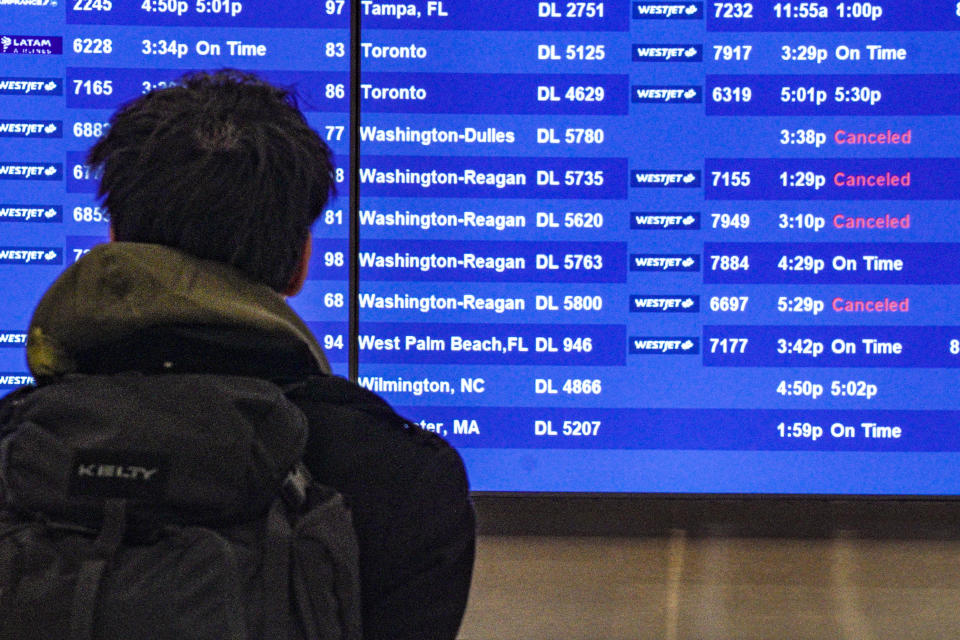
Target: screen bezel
x,y
717,515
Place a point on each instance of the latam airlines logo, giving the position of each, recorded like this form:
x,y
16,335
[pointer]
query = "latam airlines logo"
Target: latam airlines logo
x,y
31,86
38,256
31,171
641,345
659,94
31,129
667,10
31,45
661,262
678,179
12,338
664,304
668,53
30,213
664,221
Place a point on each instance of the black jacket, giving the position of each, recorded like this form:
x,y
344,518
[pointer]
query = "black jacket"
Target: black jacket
x,y
136,307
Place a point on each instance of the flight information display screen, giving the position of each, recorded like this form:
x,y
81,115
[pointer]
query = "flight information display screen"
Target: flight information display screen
x,y
629,246
66,65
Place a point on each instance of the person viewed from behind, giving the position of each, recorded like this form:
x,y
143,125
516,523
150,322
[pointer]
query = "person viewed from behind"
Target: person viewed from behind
x,y
212,187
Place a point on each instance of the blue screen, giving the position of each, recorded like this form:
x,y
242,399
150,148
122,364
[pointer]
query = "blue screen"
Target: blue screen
x,y
642,247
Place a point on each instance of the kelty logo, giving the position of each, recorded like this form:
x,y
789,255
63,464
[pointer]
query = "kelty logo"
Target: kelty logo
x,y
122,472
119,474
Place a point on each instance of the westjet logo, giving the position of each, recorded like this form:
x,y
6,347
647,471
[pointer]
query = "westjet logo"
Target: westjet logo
x,y
674,179
668,53
13,338
664,346
26,213
664,304
665,95
31,86
667,10
664,221
658,262
31,171
34,256
31,128
8,380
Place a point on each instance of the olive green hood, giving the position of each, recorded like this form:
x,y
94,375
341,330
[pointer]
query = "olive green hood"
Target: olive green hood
x,y
120,288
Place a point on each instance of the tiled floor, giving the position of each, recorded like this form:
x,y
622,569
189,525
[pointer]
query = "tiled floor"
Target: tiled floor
x,y
677,587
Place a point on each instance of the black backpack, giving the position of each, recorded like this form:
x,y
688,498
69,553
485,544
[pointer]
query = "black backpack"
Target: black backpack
x,y
168,507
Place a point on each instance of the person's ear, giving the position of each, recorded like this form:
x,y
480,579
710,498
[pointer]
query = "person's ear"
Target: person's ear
x,y
303,265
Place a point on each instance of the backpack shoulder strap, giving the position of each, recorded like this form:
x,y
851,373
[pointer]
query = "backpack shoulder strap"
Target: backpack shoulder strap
x,y
93,568
276,572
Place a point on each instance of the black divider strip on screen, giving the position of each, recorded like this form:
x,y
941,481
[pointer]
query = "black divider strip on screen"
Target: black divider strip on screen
x,y
353,354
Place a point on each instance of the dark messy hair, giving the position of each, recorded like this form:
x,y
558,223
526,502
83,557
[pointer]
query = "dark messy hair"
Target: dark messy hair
x,y
222,166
